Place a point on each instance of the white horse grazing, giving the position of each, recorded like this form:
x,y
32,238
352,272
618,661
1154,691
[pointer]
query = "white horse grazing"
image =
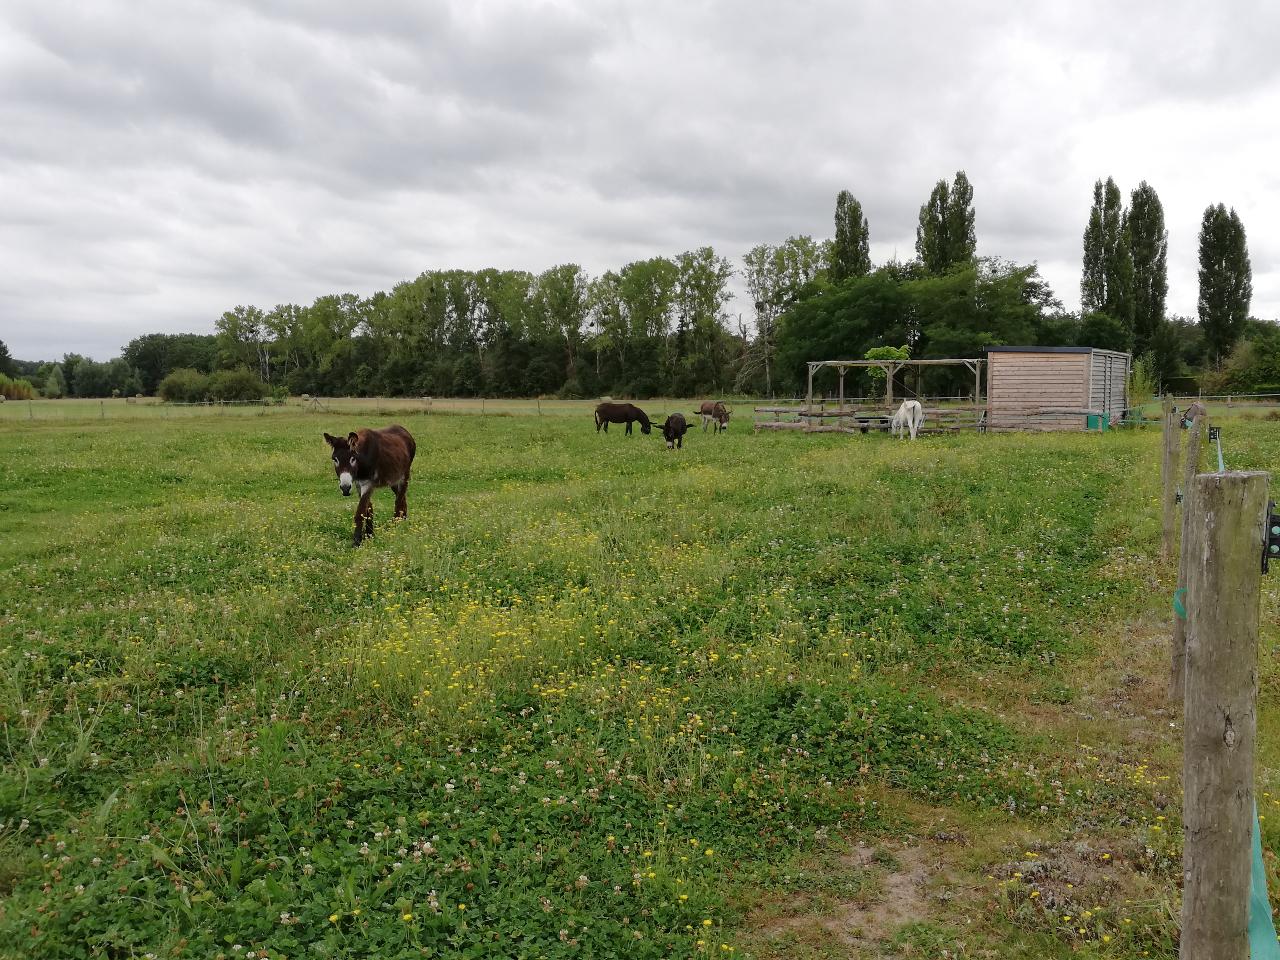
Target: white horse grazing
x,y
908,419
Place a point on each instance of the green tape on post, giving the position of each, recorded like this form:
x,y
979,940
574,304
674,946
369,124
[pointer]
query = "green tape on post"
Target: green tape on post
x,y
1262,931
1178,608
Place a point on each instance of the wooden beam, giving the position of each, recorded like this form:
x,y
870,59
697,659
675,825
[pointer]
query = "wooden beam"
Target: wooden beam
x,y
1178,653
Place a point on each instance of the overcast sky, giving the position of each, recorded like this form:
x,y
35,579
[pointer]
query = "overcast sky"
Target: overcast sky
x,y
164,160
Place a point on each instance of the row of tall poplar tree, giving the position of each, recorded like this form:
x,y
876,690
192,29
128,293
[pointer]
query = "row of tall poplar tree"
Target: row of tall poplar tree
x,y
663,325
1124,281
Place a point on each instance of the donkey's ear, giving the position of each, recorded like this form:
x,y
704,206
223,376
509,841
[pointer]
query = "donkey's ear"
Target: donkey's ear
x,y
352,438
333,441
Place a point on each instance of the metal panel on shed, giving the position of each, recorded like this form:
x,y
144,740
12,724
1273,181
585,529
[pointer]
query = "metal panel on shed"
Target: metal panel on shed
x,y
1109,383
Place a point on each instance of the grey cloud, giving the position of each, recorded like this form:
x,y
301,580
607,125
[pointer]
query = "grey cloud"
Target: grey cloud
x,y
164,161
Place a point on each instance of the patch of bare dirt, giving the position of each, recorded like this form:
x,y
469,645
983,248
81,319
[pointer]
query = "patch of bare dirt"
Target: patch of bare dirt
x,y
906,879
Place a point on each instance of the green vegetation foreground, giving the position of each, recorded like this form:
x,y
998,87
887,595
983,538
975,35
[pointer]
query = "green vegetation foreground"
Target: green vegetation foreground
x,y
593,698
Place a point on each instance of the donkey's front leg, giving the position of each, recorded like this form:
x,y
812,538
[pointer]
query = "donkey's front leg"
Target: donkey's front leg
x,y
402,502
364,518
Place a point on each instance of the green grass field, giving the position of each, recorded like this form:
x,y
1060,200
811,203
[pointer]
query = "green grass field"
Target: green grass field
x,y
769,696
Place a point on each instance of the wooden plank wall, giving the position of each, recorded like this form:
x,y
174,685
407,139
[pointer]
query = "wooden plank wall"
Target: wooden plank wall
x,y
1021,384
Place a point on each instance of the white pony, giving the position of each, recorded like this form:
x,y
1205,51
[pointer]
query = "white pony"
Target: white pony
x,y
908,419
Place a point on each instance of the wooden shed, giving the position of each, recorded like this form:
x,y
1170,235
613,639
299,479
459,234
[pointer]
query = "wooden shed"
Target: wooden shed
x,y
1055,388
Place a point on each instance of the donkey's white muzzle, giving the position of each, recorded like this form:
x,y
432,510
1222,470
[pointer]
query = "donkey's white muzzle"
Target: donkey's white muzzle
x,y
344,484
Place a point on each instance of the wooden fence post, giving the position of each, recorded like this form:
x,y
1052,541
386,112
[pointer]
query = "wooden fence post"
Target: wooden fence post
x,y
1224,581
1169,478
1191,466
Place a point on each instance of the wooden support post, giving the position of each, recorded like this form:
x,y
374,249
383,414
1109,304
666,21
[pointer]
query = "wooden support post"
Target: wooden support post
x,y
842,389
888,384
1224,579
808,403
1191,467
1169,479
977,384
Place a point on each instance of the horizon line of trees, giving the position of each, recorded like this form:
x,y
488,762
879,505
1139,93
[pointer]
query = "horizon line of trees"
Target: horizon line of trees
x,y
662,326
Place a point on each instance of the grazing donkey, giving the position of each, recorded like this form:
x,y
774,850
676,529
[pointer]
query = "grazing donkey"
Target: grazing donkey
x,y
628,413
713,411
673,431
371,459
908,419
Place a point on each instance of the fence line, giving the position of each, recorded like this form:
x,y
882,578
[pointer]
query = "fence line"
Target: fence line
x,y
149,408
1226,518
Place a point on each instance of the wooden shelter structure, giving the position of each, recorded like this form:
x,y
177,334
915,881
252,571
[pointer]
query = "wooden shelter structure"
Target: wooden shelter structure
x,y
1056,388
891,368
817,416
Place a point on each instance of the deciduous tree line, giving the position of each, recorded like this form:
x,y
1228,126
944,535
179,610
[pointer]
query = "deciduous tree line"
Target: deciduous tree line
x,y
663,325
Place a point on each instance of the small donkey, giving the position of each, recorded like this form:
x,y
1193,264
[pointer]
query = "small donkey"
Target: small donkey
x,y
371,459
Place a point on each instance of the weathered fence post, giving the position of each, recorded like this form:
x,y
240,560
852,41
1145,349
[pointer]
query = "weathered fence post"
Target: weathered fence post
x,y
1179,652
1169,478
1224,574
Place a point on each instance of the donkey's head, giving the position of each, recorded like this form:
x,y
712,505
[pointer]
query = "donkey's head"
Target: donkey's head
x,y
346,462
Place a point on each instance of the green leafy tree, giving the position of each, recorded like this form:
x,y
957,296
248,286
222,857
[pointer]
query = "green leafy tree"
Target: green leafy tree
x,y
946,233
850,253
1226,280
877,374
701,294
243,340
70,363
1107,279
561,303
647,289
1100,329
7,366
932,246
1149,247
55,384
775,277
962,238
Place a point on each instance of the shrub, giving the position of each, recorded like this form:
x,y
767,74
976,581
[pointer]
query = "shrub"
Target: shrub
x,y
1142,381
236,385
12,389
184,386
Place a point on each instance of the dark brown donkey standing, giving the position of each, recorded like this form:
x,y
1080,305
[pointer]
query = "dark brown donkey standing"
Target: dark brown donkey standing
x,y
607,413
371,459
673,431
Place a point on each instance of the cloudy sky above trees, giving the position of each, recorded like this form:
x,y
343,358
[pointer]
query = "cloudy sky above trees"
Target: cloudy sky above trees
x,y
165,160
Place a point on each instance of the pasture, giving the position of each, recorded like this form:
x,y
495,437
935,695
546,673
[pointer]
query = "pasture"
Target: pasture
x,y
770,696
